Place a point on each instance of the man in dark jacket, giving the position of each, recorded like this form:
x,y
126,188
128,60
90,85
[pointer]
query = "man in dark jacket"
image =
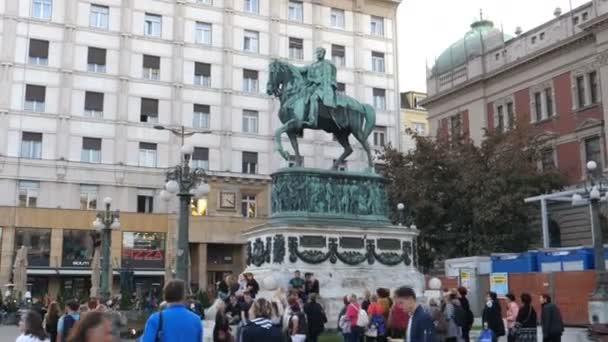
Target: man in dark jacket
x,y
466,307
551,320
316,318
420,327
493,316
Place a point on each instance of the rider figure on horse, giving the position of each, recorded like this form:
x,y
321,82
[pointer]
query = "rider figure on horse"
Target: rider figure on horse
x,y
321,81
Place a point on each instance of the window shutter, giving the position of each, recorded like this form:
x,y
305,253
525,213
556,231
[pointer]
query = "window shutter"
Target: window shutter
x,y
91,144
337,50
200,153
93,101
32,136
379,92
250,74
149,107
39,48
96,56
377,54
35,93
147,146
250,157
199,108
202,69
152,62
296,43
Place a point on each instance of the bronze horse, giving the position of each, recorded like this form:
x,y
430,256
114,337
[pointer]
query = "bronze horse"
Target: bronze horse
x,y
349,117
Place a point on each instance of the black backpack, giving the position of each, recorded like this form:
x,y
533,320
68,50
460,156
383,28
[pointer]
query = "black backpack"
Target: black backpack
x,y
460,316
68,323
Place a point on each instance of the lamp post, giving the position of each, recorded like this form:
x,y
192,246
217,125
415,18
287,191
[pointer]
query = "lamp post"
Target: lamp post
x,y
592,195
183,181
105,222
401,210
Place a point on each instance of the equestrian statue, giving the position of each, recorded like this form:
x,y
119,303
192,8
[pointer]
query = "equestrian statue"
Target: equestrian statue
x,y
309,101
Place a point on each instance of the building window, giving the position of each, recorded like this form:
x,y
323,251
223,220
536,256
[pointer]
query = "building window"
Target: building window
x,y
549,101
77,248
593,87
202,74
39,52
91,150
42,9
143,250
96,60
153,25
379,136
202,34
250,81
200,116
296,48
93,105
250,6
593,151
296,11
31,145
420,128
455,125
250,121
377,26
538,106
145,203
35,98
88,197
377,61
585,16
199,207
510,115
343,165
500,118
147,154
547,160
99,16
533,40
248,206
151,67
379,98
541,36
338,55
575,21
250,41
200,158
340,88
580,91
149,110
250,162
38,243
336,18
28,194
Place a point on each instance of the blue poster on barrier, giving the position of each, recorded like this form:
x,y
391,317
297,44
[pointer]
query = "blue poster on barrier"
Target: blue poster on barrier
x,y
499,283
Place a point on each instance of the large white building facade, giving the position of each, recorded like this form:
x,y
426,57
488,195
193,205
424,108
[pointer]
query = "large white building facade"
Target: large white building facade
x,y
83,83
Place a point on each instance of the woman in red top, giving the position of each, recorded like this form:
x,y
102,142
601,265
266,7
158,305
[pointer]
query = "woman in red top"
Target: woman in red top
x,y
398,319
352,312
374,307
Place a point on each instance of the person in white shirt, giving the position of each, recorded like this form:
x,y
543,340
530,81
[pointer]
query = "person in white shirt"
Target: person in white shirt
x,y
420,327
31,328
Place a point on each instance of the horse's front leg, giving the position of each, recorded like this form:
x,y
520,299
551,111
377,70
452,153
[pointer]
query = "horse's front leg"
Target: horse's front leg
x,y
278,146
293,138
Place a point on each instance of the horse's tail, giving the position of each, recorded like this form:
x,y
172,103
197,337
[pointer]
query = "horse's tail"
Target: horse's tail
x,y
369,114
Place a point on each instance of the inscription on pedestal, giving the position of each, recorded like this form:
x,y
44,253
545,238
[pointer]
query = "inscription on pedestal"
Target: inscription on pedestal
x,y
312,241
389,244
351,242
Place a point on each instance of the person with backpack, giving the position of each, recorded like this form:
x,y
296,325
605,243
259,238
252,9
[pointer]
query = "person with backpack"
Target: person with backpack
x,y
470,318
297,325
316,317
67,321
358,319
377,326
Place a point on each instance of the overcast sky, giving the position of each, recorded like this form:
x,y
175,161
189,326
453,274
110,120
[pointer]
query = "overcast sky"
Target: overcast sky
x,y
428,27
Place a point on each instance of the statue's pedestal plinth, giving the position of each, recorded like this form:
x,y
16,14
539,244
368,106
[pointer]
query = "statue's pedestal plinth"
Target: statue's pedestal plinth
x,y
332,224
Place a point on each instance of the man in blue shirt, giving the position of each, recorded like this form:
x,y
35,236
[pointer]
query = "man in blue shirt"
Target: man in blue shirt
x,y
67,321
420,327
175,323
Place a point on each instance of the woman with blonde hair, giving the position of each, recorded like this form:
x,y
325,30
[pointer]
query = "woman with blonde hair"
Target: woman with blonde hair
x,y
260,327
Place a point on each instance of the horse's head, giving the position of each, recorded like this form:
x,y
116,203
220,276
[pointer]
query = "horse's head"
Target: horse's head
x,y
275,77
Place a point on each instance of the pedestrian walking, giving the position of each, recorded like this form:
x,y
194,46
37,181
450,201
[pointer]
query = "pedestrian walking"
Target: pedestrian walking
x,y
420,327
175,323
31,328
526,321
377,324
343,322
492,316
67,321
95,326
352,313
315,315
260,327
470,318
449,311
50,321
551,320
511,317
221,330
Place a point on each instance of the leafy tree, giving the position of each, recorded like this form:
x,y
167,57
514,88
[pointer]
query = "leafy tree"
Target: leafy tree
x,y
468,199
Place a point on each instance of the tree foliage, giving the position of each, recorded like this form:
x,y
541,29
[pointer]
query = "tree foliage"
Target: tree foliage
x,y
468,199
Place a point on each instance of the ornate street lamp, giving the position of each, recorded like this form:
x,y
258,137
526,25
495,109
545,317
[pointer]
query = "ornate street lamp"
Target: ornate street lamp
x,y
401,210
185,182
596,190
105,222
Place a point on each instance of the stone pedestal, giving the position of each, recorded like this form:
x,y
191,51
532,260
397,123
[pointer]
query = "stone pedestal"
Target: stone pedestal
x,y
334,225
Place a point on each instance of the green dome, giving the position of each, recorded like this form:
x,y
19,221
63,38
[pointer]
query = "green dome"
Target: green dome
x,y
470,46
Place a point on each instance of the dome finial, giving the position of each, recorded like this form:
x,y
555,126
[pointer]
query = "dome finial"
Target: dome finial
x,y
480,14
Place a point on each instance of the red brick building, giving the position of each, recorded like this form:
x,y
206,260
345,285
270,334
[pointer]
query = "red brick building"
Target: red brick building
x,y
553,77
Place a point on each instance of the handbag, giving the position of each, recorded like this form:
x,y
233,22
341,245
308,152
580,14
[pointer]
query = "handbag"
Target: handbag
x,y
517,327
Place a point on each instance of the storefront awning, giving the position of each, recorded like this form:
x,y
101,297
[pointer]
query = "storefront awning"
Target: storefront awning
x,y
75,272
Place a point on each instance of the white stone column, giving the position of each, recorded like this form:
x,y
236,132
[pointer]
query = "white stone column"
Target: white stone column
x,y
227,86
